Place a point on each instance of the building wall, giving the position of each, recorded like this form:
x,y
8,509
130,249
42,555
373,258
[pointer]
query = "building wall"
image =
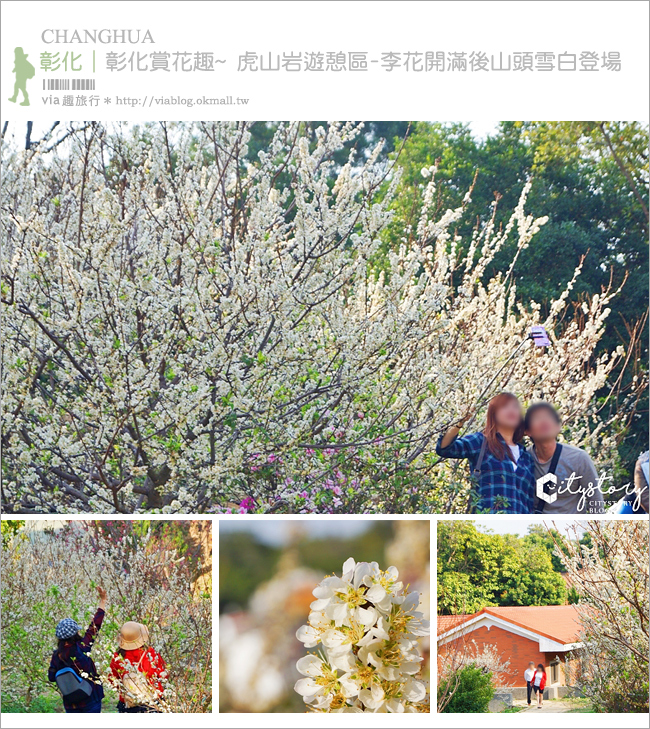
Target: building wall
x,y
511,647
559,671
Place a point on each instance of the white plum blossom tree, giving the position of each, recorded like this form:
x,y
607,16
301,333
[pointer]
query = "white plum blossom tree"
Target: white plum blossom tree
x,y
51,571
607,564
464,652
368,627
191,328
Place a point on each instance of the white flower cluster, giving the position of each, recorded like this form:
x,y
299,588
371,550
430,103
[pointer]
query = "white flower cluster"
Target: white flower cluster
x,y
368,627
177,312
606,562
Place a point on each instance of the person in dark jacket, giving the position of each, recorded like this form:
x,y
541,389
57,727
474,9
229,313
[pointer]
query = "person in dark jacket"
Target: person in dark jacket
x,y
73,651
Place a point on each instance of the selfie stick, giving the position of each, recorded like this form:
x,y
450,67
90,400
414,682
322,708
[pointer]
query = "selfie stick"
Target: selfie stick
x,y
539,336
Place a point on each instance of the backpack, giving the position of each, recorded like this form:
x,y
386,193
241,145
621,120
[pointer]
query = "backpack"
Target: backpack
x,y
140,691
30,70
73,688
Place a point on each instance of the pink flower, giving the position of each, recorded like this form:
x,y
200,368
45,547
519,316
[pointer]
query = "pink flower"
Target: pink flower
x,y
246,504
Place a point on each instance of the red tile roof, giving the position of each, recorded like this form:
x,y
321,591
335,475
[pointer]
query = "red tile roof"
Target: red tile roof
x,y
447,622
557,622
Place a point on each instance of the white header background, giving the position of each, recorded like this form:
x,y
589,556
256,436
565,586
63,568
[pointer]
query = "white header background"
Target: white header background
x,y
230,29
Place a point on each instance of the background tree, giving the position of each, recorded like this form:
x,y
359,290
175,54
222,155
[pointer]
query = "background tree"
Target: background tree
x,y
610,575
590,178
244,562
549,539
477,569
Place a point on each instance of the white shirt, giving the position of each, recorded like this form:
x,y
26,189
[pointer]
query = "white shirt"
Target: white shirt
x,y
529,673
514,449
538,678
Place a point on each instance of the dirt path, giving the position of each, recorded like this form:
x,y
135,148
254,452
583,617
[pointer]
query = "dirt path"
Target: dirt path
x,y
551,706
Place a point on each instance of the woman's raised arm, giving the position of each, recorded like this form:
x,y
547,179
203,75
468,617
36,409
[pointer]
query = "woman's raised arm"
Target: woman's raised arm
x,y
102,597
452,432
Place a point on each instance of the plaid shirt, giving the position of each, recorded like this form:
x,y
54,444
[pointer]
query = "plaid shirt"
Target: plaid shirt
x,y
77,656
501,488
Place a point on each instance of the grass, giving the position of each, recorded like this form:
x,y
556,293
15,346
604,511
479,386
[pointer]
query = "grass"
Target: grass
x,y
513,710
581,706
50,704
39,705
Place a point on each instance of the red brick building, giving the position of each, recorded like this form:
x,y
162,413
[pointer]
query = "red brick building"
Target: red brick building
x,y
519,634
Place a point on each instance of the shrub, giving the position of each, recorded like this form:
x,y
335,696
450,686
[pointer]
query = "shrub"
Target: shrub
x,y
473,693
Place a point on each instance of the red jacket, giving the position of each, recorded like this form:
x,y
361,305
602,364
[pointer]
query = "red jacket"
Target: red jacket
x,y
542,682
152,665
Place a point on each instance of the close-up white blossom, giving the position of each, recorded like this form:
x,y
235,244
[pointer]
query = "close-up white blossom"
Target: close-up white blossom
x,y
366,626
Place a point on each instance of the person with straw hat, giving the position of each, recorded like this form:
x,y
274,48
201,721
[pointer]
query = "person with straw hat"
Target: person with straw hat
x,y
139,671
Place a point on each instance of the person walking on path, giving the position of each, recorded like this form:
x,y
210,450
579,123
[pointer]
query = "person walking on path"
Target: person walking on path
x,y
529,674
140,671
539,682
24,71
71,662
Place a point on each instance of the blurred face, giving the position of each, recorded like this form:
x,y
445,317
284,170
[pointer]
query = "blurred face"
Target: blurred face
x,y
509,415
543,425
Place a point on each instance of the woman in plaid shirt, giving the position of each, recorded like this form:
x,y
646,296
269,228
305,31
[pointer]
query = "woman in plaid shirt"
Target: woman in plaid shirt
x,y
505,475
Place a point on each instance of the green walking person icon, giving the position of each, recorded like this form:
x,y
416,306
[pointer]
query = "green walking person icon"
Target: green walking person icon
x,y
24,71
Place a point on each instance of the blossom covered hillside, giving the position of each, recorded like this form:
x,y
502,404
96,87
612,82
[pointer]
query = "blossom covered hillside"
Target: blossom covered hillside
x,y
192,328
